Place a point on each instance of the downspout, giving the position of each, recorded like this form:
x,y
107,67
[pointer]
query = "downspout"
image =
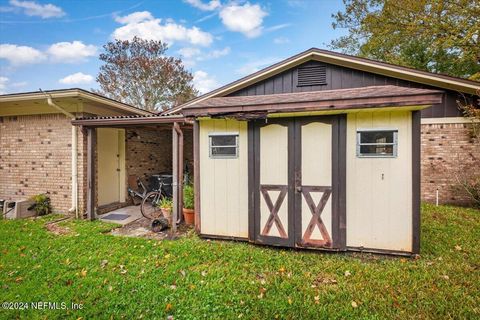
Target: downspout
x,y
74,207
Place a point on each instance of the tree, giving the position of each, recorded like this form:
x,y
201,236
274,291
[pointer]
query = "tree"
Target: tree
x,y
441,36
467,175
139,73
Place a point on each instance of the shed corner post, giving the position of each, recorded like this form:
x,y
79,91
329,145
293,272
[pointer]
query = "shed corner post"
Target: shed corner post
x,y
196,174
91,172
416,180
175,208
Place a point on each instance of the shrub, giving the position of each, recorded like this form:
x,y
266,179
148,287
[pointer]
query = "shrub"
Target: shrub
x,y
166,203
468,184
41,204
188,197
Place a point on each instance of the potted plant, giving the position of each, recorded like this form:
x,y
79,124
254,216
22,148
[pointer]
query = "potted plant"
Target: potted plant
x,y
166,205
188,204
41,204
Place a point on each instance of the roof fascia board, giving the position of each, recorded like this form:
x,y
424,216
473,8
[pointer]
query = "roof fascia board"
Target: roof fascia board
x,y
95,98
73,93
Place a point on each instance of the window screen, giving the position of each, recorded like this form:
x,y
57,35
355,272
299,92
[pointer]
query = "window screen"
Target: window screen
x,y
377,143
223,145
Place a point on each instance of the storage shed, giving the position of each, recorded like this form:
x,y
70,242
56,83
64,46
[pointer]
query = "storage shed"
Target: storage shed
x,y
301,155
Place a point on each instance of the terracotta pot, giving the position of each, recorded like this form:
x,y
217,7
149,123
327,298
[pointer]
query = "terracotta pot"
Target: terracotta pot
x,y
167,213
189,215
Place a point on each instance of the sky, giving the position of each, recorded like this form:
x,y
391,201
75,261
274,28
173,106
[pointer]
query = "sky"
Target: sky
x,y
52,44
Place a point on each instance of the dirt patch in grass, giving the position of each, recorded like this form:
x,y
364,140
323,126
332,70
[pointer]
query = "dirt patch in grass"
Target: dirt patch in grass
x,y
57,229
143,228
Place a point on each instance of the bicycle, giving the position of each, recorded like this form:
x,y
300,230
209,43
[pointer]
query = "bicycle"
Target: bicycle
x,y
150,199
150,206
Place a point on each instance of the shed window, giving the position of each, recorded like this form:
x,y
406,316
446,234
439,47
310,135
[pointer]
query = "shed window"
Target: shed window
x,y
377,143
223,145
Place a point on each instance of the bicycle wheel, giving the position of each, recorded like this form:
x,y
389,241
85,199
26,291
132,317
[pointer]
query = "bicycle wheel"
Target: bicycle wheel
x,y
150,205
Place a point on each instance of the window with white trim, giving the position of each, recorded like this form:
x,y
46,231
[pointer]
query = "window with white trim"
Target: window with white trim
x,y
379,143
223,145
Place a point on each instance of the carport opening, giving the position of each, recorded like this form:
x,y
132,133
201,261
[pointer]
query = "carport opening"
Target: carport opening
x,y
123,152
145,162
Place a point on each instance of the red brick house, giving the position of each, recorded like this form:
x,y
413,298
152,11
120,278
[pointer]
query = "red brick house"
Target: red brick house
x,y
40,150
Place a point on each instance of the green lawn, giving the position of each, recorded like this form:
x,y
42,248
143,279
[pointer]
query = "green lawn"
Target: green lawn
x,y
116,277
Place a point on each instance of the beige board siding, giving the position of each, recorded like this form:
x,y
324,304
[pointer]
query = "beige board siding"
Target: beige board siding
x,y
224,183
379,211
317,171
111,165
274,171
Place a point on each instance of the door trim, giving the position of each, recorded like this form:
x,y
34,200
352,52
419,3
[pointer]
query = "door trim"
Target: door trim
x,y
294,179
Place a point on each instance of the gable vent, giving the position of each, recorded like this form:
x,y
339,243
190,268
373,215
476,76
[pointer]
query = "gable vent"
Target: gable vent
x,y
312,76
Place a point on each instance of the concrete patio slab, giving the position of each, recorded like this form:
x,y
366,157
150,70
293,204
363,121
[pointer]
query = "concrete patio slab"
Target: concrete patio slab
x,y
133,213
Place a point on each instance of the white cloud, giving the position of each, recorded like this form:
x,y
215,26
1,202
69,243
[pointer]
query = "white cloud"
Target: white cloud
x,y
281,40
145,26
135,17
3,84
189,52
191,55
256,65
216,53
278,27
70,52
18,55
32,8
208,6
204,82
77,78
246,18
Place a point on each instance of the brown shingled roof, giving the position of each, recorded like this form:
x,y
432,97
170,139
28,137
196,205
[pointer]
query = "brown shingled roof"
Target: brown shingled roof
x,y
354,98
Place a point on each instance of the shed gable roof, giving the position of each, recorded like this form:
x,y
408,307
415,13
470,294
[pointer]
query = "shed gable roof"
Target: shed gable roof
x,y
363,64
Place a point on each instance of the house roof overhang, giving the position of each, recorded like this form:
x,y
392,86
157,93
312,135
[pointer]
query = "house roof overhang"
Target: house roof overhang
x,y
335,58
36,102
335,101
126,121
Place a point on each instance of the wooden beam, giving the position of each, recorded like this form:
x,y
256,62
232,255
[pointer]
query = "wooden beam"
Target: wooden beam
x,y
196,173
175,212
91,184
416,180
180,169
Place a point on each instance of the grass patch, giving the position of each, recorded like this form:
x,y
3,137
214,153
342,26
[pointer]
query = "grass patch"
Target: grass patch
x,y
130,278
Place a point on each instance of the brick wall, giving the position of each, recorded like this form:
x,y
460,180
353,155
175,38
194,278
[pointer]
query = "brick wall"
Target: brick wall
x,y
447,150
149,151
35,158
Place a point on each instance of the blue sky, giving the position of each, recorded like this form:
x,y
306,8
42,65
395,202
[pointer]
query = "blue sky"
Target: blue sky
x,y
55,44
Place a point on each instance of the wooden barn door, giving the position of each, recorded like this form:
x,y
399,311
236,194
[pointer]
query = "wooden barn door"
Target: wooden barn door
x,y
297,185
274,198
